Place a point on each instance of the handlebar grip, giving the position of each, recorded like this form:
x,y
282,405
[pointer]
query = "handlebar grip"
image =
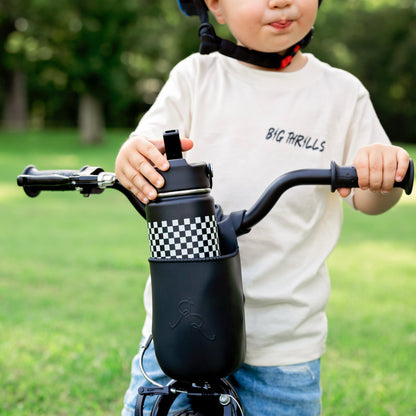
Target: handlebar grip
x,y
34,181
346,177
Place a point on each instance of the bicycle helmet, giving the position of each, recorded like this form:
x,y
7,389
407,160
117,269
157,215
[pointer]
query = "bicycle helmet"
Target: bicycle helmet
x,y
210,42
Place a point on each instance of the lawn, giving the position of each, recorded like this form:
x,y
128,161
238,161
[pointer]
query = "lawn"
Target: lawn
x,y
370,367
72,273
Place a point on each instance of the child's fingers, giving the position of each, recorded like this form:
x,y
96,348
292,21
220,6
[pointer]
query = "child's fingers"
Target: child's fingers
x,y
142,167
402,164
146,179
186,144
136,163
378,166
136,183
389,171
361,164
375,167
152,152
344,192
135,167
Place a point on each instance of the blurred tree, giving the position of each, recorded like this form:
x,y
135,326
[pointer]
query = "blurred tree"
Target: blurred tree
x,y
94,61
387,58
376,41
14,65
105,54
87,43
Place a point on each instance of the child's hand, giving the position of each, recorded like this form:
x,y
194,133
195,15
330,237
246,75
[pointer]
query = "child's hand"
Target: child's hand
x,y
378,167
136,162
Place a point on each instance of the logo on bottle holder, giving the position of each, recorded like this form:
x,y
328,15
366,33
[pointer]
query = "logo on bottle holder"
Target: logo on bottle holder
x,y
187,315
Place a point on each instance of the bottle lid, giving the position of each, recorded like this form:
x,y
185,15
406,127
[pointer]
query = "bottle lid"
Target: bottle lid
x,y
182,175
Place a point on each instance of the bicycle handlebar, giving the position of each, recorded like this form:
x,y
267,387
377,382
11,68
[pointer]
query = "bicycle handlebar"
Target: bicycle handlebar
x,y
93,180
88,180
337,177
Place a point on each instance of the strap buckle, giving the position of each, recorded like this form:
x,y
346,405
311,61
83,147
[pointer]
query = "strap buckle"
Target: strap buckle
x,y
210,42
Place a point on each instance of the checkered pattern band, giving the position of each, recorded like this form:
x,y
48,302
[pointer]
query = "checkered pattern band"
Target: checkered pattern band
x,y
186,238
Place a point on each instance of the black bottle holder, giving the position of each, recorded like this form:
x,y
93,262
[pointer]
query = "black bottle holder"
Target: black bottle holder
x,y
198,316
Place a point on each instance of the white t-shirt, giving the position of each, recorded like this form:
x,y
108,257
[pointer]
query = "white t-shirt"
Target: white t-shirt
x,y
252,126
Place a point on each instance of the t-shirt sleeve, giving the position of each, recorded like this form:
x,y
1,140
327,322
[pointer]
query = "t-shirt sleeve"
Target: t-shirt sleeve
x,y
172,107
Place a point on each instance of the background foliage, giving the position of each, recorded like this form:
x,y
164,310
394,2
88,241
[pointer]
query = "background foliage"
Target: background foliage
x,y
120,52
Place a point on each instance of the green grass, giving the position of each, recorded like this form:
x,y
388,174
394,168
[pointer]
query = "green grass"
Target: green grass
x,y
72,273
369,367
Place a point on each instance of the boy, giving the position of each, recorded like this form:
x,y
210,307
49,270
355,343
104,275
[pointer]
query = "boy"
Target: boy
x,y
264,109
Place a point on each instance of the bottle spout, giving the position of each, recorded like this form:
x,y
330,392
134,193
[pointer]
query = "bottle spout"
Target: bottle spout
x,y
173,148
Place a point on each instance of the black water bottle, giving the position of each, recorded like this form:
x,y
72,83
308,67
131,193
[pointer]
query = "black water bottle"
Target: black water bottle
x,y
181,220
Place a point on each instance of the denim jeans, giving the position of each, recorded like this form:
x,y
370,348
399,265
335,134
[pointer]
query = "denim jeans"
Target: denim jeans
x,y
292,390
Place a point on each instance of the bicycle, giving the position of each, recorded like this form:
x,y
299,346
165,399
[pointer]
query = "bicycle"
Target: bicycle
x,y
197,344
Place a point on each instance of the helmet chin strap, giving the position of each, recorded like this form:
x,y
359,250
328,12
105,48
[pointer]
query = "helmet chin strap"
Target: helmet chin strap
x,y
210,42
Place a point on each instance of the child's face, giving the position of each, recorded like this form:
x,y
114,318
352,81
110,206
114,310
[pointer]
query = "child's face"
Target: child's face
x,y
266,25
